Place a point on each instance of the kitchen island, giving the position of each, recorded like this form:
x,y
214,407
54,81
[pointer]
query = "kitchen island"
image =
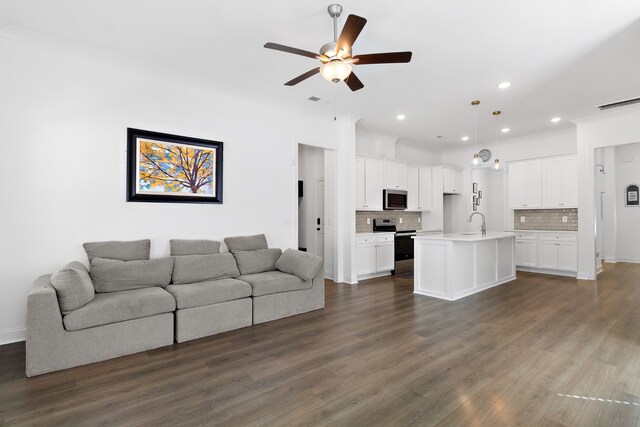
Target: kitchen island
x,y
453,266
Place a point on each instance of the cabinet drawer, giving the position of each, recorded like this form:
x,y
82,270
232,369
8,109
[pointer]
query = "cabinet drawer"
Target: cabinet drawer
x,y
381,239
363,240
526,236
558,237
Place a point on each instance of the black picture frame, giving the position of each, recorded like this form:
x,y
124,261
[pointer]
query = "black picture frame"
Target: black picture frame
x,y
135,194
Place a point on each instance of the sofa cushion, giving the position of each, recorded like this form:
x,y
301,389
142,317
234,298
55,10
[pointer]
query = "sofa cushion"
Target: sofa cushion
x,y
111,275
246,243
252,262
181,247
73,286
209,292
274,282
120,306
302,264
200,268
123,251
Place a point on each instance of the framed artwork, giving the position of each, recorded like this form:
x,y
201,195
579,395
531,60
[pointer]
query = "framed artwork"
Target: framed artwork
x,y
173,169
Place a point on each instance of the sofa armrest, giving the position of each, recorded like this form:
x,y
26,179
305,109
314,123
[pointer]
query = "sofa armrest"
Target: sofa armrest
x,y
43,310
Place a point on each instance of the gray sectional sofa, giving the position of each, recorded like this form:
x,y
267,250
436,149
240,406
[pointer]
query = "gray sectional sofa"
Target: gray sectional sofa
x,y
127,303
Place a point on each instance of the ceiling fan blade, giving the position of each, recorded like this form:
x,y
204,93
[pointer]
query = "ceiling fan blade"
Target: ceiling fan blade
x,y
353,82
382,58
288,49
350,32
302,77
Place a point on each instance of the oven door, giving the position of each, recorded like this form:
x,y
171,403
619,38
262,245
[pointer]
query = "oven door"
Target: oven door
x,y
395,200
403,252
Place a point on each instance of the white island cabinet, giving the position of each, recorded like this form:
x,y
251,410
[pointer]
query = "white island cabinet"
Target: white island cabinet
x,y
452,266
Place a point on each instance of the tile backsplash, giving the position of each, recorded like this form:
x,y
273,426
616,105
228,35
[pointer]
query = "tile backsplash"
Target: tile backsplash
x,y
546,219
409,220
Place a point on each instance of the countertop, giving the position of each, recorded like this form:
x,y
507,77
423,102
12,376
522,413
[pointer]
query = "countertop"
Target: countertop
x,y
464,237
543,231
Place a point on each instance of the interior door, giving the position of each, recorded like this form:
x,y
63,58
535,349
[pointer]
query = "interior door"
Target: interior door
x,y
319,218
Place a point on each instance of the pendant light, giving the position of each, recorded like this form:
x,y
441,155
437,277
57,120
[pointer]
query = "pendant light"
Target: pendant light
x,y
476,160
496,163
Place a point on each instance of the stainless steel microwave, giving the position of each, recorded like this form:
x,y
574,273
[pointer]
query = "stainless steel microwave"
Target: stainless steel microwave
x,y
394,200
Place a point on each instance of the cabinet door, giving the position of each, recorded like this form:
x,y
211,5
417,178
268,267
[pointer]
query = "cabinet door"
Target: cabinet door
x,y
385,257
396,175
360,184
527,253
517,185
451,181
533,195
425,186
365,258
401,176
548,255
570,183
413,195
567,256
374,181
552,183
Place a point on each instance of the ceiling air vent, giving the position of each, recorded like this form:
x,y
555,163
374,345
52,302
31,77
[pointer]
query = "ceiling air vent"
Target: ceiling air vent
x,y
618,104
313,98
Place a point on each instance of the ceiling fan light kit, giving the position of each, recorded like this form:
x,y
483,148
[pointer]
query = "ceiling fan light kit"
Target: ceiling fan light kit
x,y
336,57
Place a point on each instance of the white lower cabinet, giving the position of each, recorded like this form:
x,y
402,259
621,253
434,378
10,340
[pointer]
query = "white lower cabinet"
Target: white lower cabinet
x,y
548,252
375,253
527,251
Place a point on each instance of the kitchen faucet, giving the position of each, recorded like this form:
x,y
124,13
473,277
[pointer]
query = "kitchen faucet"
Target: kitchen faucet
x,y
483,227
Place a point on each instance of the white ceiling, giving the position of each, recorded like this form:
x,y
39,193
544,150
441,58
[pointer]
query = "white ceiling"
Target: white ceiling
x,y
562,57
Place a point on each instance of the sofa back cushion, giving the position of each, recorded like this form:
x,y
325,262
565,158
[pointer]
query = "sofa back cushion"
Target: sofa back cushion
x,y
123,251
302,264
198,268
73,286
111,275
181,247
246,243
258,261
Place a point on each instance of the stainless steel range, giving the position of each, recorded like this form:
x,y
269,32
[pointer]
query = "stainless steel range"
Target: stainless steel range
x,y
403,244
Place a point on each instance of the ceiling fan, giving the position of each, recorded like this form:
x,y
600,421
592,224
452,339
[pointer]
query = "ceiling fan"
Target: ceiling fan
x,y
337,58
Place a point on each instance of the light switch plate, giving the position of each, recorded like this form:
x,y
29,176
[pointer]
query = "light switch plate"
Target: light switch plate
x,y
420,220
368,221
522,219
565,218
400,220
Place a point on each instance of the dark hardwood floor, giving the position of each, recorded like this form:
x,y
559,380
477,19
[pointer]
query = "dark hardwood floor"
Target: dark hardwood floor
x,y
543,350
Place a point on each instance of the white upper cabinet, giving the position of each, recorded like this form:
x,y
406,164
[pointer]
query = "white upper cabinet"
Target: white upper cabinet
x,y
396,175
451,181
369,184
425,188
419,188
413,188
525,184
560,183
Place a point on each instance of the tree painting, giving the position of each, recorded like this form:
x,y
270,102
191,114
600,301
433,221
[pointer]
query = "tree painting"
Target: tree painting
x,y
175,168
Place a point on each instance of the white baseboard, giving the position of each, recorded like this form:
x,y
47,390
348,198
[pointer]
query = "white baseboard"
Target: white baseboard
x,y
630,260
13,335
610,259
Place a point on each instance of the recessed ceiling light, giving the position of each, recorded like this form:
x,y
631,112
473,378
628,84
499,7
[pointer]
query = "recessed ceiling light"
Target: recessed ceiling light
x,y
465,138
555,120
401,117
504,85
505,130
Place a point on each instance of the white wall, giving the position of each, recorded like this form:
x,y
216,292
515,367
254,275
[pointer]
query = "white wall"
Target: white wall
x,y
64,119
605,130
627,160
369,143
412,154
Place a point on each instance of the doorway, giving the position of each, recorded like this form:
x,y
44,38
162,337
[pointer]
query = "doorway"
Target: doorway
x,y
617,209
314,231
